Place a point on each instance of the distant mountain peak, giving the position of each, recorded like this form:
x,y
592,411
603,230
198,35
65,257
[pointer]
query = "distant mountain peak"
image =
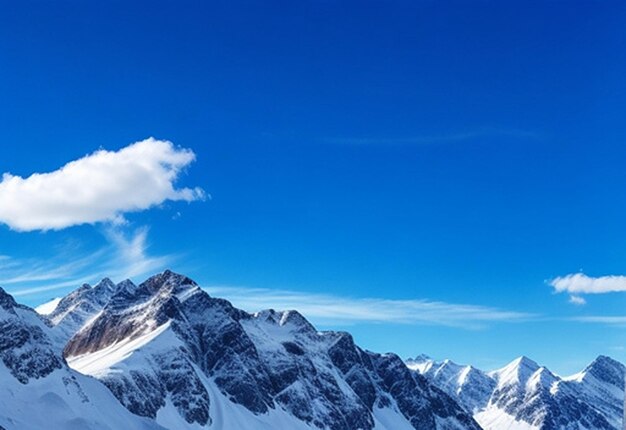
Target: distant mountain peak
x,y
6,300
105,284
607,370
421,358
126,285
167,281
523,361
604,360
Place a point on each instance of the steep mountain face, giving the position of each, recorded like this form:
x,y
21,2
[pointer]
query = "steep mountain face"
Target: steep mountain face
x,y
37,388
601,384
169,351
524,395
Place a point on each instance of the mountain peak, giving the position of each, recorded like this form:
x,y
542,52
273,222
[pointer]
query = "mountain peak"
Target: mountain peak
x,y
126,285
603,360
105,282
6,300
83,287
523,359
525,362
167,279
606,369
517,371
421,358
104,286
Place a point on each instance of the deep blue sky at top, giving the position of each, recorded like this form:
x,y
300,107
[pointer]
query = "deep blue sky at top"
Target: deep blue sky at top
x,y
463,152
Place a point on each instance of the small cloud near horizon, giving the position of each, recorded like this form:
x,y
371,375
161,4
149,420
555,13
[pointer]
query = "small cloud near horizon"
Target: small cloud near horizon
x,y
578,284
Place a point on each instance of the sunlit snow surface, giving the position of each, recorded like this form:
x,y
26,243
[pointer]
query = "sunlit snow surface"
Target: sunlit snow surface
x,y
48,307
63,400
495,418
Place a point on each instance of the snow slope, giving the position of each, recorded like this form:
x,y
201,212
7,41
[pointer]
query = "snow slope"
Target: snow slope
x,y
48,307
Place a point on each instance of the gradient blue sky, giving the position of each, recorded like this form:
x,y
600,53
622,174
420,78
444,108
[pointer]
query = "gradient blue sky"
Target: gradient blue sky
x,y
425,167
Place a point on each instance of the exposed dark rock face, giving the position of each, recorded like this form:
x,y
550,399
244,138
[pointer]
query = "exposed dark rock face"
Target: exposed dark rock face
x,y
24,348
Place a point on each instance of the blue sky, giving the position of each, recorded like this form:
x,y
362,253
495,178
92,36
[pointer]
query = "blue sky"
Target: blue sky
x,y
425,170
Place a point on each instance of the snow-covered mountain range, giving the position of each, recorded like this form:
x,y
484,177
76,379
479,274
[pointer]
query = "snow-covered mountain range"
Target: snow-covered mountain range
x,y
526,396
165,354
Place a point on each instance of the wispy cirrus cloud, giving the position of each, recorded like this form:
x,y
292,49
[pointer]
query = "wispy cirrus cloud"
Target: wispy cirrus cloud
x,y
327,309
33,270
100,187
125,255
133,258
602,319
482,132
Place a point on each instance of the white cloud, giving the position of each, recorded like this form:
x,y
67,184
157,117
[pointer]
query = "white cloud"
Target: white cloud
x,y
579,283
330,309
613,320
99,187
577,300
